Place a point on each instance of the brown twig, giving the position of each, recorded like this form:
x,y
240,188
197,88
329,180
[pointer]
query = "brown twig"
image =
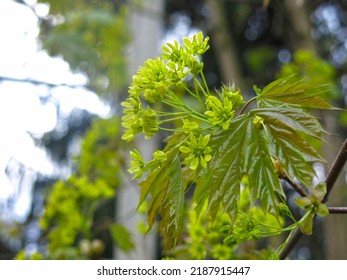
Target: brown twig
x,y
330,180
296,186
335,169
337,210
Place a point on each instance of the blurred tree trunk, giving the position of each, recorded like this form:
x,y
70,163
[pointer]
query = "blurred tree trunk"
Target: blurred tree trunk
x,y
146,30
300,24
223,44
335,229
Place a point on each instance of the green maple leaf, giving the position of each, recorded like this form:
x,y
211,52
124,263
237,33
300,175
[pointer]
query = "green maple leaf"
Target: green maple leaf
x,y
263,181
166,190
242,149
221,183
172,208
284,92
289,130
249,147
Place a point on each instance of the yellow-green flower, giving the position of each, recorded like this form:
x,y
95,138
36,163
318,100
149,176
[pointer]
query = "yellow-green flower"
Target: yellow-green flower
x,y
156,93
198,151
194,64
137,164
153,76
172,52
131,119
219,112
258,122
160,156
233,95
149,122
189,126
197,45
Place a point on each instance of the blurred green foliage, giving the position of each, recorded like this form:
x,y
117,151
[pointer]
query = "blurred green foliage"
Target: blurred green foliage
x,y
312,70
315,70
100,155
74,214
206,238
92,37
70,210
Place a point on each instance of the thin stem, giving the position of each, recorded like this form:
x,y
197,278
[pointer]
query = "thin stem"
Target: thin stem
x,y
177,145
291,244
271,227
182,107
336,169
173,104
247,104
196,83
296,187
167,129
175,98
192,93
164,114
292,241
170,120
205,83
201,87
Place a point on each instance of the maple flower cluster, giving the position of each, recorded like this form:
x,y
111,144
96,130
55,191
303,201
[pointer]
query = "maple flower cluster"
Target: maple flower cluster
x,y
155,86
221,111
198,151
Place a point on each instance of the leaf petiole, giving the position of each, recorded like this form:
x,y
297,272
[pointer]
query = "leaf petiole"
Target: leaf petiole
x,y
247,104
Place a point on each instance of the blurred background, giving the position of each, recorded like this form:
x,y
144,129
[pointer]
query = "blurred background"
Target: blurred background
x,y
65,67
